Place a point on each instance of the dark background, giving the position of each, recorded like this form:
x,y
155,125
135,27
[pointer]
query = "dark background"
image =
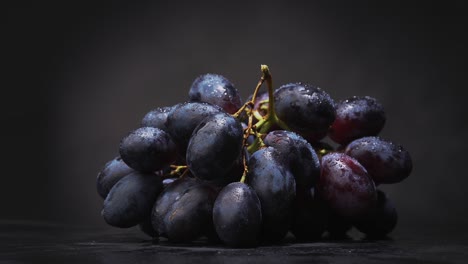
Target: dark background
x,y
79,76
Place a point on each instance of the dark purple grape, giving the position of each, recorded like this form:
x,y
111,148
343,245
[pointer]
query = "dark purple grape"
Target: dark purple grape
x,y
306,109
157,117
276,189
357,117
382,221
216,144
148,149
385,161
184,210
163,205
216,89
345,187
309,217
182,121
302,159
131,199
237,215
112,172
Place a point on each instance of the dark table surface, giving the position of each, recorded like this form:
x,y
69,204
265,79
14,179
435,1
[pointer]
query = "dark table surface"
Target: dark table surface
x,y
30,242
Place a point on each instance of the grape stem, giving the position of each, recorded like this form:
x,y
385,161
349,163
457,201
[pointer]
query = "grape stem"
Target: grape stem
x,y
265,123
176,169
251,102
271,118
261,128
248,108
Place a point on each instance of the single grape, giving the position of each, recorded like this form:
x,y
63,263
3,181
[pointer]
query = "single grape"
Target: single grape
x,y
382,221
148,149
306,109
184,210
357,117
385,161
276,189
216,144
112,172
302,159
184,118
237,215
157,117
216,89
172,192
131,199
309,216
345,187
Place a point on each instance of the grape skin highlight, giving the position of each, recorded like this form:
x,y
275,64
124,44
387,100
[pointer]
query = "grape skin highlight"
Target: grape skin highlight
x,y
148,149
345,187
237,215
385,161
131,199
276,189
112,172
215,146
357,117
306,109
216,89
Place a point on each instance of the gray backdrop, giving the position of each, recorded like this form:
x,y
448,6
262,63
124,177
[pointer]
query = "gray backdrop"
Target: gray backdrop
x,y
81,75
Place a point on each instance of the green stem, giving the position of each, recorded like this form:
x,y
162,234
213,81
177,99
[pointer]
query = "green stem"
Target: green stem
x,y
271,116
271,99
257,115
242,180
176,169
264,124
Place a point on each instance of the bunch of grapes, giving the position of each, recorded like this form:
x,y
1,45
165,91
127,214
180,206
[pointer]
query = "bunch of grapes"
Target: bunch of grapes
x,y
245,174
